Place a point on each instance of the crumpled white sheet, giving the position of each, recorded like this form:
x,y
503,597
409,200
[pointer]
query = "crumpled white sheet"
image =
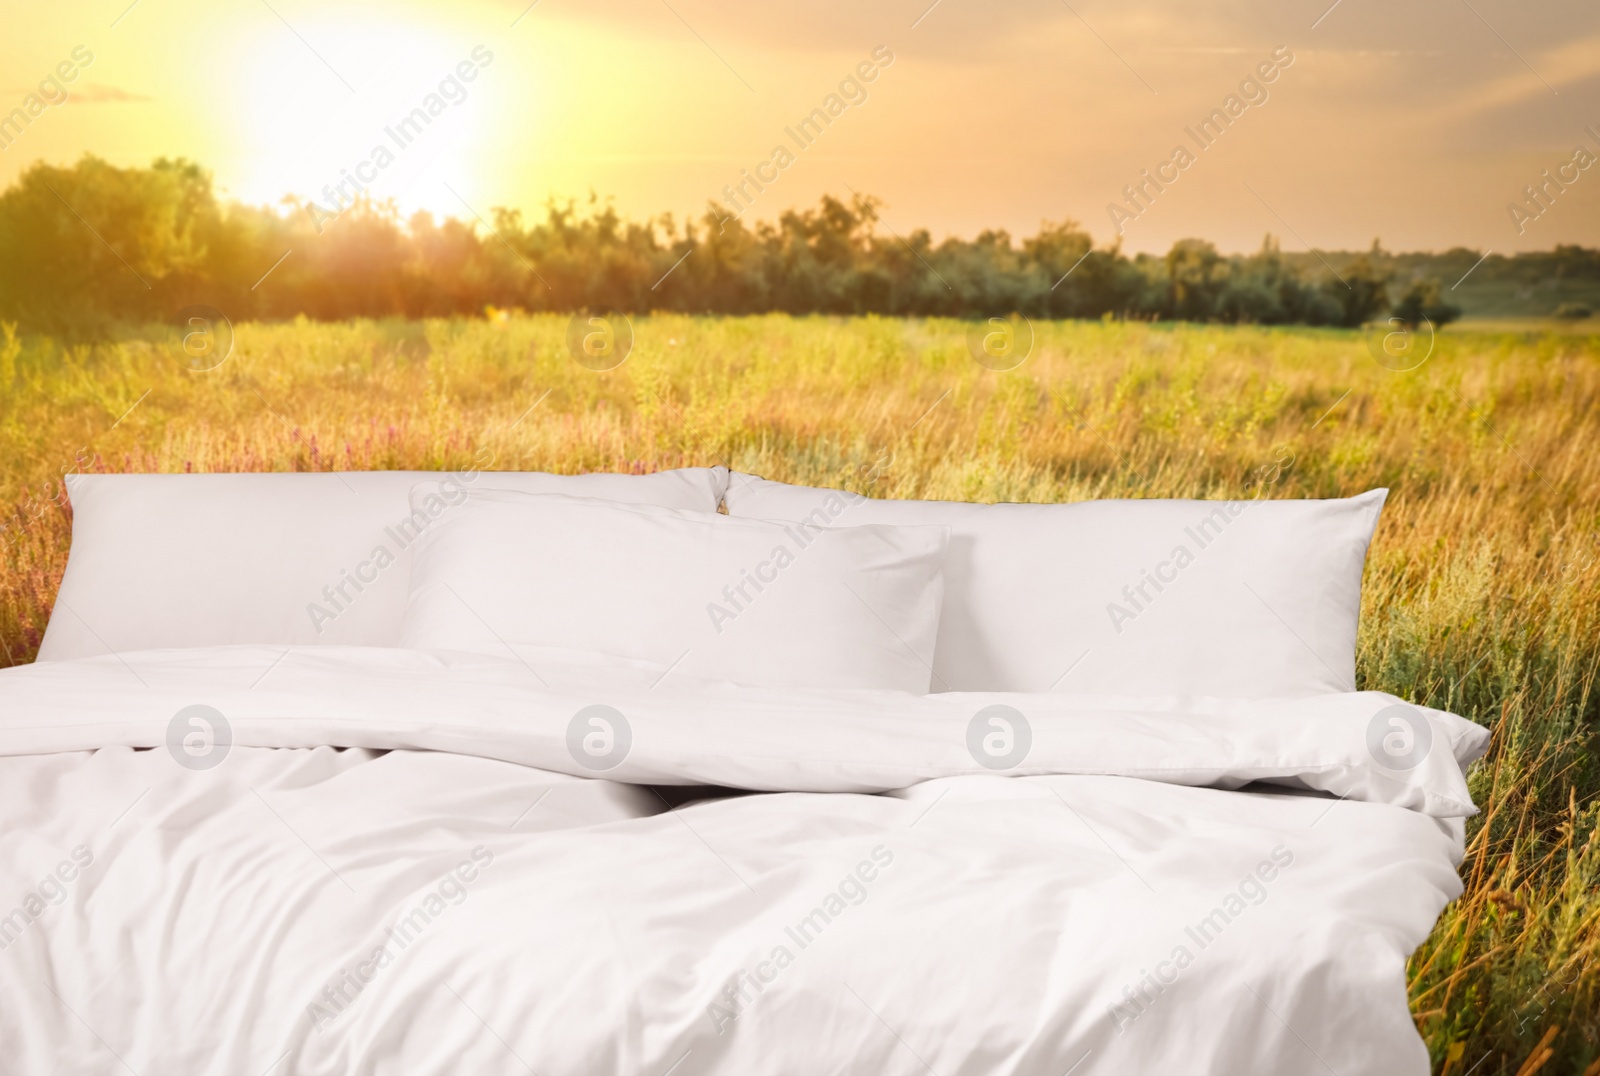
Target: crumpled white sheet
x,y
462,892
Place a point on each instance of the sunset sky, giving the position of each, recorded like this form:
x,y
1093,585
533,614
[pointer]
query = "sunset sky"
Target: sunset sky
x,y
1416,122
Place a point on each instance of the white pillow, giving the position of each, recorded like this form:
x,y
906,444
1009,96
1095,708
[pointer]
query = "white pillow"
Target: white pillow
x,y
176,560
1253,598
702,595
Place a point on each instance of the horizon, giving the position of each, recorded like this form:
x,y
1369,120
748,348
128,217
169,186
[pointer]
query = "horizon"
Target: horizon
x,y
592,202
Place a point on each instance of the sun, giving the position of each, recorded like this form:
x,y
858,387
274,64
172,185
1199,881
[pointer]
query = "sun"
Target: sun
x,y
384,109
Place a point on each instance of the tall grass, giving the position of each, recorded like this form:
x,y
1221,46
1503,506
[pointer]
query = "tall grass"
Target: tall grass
x,y
1483,586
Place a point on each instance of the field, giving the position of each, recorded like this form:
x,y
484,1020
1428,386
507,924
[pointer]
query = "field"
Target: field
x,y
1482,592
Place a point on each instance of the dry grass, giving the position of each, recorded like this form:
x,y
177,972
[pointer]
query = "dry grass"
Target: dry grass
x,y
1483,587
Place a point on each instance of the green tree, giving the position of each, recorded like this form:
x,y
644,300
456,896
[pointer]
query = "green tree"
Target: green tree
x,y
1422,300
1361,294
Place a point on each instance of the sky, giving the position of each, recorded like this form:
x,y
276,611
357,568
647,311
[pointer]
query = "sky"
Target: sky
x,y
1418,122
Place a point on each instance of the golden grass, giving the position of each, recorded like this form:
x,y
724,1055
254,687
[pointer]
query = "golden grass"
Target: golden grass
x,y
1483,585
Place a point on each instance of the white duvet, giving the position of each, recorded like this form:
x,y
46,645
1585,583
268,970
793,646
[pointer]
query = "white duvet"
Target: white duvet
x,y
408,862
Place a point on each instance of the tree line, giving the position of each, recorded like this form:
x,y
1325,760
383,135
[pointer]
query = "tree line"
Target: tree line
x,y
89,247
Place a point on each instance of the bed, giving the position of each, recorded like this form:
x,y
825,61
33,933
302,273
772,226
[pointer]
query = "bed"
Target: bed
x,y
521,834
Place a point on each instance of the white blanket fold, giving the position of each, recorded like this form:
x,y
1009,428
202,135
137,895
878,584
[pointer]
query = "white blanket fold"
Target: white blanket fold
x,y
717,734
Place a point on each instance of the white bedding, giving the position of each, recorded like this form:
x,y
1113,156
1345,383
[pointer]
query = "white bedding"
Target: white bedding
x,y
555,921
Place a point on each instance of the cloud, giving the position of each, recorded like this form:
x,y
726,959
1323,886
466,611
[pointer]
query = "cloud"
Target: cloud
x,y
1566,66
95,94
